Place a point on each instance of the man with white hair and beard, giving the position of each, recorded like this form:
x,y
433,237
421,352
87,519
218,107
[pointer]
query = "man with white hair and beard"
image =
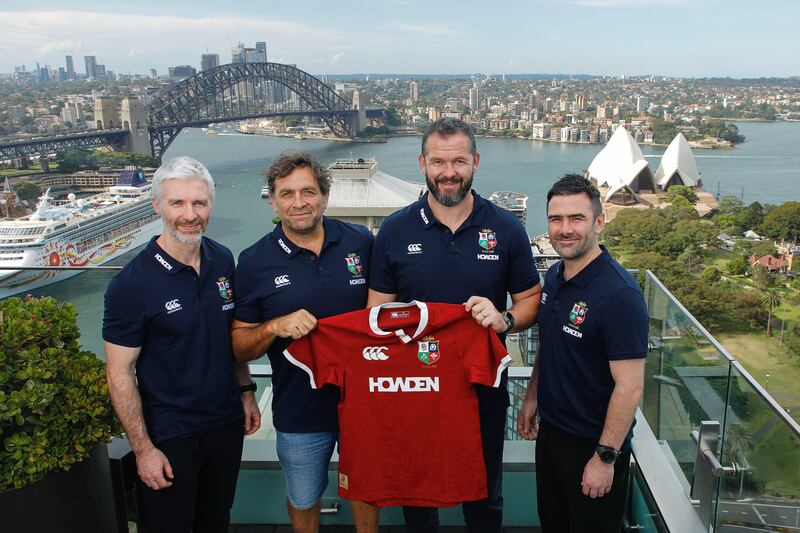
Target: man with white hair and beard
x,y
183,401
453,246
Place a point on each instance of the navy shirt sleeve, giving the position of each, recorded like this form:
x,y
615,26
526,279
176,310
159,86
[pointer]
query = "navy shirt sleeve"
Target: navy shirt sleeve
x,y
123,317
246,291
382,275
522,274
626,338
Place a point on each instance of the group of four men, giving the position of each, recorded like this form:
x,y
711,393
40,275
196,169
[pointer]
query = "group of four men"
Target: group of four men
x,y
181,322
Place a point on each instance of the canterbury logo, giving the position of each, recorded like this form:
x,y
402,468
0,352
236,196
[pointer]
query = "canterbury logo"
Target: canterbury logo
x,y
375,353
281,281
409,384
172,306
415,248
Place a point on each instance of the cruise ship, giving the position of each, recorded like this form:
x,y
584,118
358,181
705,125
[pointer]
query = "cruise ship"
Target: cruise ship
x,y
81,232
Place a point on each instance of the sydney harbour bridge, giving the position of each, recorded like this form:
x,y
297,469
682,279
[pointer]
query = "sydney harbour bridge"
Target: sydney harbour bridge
x,y
227,93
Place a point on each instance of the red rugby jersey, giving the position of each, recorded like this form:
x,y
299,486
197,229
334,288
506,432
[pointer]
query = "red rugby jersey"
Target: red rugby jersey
x,y
408,415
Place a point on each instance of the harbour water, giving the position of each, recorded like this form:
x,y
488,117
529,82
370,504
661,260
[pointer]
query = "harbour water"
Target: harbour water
x,y
766,167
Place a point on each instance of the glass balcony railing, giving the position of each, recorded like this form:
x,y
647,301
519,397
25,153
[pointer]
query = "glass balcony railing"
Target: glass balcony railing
x,y
713,451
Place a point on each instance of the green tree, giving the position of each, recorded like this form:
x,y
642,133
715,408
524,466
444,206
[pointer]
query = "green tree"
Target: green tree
x,y
27,190
749,307
737,266
681,191
711,275
771,300
730,205
783,222
761,276
761,248
751,216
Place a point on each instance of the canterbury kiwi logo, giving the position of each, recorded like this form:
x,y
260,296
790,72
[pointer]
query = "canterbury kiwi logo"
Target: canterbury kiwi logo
x,y
415,248
281,281
375,353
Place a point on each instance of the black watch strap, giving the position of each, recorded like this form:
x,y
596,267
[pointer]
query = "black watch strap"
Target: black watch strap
x,y
510,321
607,454
250,387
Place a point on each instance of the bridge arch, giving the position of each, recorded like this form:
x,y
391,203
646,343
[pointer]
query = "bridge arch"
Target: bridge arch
x,y
236,92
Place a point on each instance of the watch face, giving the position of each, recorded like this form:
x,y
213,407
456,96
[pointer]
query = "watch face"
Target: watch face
x,y
607,456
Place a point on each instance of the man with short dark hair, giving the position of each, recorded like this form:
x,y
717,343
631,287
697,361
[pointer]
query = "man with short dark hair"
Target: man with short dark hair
x,y
589,374
309,267
453,246
184,404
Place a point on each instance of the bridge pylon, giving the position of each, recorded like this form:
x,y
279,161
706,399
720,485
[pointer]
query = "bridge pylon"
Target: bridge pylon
x,y
134,119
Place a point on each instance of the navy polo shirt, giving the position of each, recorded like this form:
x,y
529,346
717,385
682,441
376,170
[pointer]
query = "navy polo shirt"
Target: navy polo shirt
x,y
419,258
275,277
597,316
181,321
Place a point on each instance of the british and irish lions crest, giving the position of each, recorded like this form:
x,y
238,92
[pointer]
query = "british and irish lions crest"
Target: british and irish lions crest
x,y
487,239
428,351
354,264
578,313
224,287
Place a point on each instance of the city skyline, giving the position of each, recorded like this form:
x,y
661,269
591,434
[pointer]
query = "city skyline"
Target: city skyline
x,y
681,38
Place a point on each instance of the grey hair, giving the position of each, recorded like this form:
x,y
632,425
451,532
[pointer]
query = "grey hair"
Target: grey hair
x,y
182,168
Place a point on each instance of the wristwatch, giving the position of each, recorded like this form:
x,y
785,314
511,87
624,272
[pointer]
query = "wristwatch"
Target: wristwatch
x,y
607,454
510,321
249,387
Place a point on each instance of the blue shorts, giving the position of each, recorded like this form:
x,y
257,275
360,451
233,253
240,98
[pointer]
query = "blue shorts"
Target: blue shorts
x,y
304,460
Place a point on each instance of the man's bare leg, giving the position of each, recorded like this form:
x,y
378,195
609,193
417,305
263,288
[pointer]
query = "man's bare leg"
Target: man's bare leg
x,y
304,520
366,516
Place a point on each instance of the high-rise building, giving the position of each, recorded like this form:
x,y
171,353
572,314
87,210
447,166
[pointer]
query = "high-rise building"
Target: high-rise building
x,y
413,92
91,67
181,72
153,73
70,68
261,48
473,99
209,61
642,103
580,102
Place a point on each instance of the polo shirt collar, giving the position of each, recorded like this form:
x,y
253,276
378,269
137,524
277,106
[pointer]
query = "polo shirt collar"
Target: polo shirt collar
x,y
423,320
333,234
168,264
427,218
590,271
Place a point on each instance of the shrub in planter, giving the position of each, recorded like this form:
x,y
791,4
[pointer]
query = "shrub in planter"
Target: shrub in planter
x,y
54,403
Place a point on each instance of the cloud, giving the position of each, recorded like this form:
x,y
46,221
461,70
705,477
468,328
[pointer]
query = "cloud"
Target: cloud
x,y
66,45
126,41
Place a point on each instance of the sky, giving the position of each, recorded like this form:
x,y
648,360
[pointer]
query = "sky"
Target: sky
x,y
685,38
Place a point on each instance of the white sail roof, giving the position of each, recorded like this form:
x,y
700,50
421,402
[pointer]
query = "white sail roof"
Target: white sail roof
x,y
619,163
678,158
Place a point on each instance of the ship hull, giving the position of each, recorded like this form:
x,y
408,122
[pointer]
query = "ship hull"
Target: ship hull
x,y
15,281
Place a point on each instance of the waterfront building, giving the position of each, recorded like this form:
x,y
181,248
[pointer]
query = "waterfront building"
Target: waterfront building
x,y
413,91
513,202
677,166
473,99
362,194
621,170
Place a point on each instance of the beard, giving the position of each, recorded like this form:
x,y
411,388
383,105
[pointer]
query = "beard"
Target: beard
x,y
182,237
577,250
451,199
